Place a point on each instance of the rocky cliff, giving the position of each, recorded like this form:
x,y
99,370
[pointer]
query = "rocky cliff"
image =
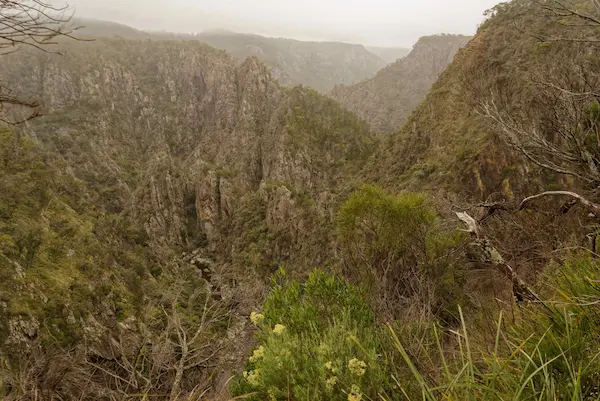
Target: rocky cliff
x,y
320,65
386,100
159,149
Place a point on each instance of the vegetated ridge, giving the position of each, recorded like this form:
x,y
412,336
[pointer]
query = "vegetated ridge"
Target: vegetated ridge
x,y
386,100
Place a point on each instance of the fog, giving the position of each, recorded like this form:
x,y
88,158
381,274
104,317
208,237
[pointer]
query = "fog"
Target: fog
x,y
397,23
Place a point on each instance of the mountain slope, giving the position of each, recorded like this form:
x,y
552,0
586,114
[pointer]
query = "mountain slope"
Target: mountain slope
x,y
386,100
447,141
168,168
320,65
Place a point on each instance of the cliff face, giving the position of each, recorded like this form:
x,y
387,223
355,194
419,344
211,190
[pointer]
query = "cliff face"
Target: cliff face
x,y
320,65
188,149
387,100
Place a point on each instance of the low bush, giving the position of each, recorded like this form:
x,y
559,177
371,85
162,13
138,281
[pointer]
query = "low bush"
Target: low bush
x,y
317,340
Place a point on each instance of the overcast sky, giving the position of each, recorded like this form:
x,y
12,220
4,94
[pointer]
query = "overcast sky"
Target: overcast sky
x,y
396,23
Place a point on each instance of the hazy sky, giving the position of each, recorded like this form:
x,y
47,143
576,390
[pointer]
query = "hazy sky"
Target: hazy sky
x,y
371,22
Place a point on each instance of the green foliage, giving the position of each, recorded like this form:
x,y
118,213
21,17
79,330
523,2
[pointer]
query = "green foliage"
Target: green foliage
x,y
550,353
314,303
387,223
319,123
391,241
249,228
572,318
60,260
318,340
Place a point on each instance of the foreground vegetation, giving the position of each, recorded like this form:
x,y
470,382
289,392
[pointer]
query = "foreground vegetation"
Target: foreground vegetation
x,y
319,340
166,249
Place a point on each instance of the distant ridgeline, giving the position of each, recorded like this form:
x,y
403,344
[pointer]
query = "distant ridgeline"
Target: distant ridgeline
x,y
320,65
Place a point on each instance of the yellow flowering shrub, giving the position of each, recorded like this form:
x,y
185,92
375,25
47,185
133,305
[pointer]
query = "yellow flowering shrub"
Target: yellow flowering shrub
x,y
354,394
357,367
257,318
318,341
257,354
278,329
252,377
330,383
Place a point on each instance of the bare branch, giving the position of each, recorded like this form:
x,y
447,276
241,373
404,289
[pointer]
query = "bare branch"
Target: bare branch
x,y
585,202
490,256
30,23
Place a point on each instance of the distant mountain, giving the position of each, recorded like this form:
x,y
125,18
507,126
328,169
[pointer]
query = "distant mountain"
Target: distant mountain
x,y
389,54
320,65
387,100
97,28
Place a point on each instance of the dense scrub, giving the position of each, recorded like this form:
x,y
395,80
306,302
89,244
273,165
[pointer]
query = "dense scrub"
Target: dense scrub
x,y
158,204
317,340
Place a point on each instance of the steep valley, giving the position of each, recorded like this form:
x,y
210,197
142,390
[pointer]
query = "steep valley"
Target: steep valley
x,y
181,223
190,154
386,100
320,65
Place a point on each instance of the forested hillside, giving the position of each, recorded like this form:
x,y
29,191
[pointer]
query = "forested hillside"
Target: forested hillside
x,y
142,178
176,225
386,100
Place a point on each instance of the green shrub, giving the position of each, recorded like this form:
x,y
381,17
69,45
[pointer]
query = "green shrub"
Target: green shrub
x,y
393,242
317,340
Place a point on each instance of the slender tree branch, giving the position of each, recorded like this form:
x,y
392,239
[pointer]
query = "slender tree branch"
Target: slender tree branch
x,y
581,199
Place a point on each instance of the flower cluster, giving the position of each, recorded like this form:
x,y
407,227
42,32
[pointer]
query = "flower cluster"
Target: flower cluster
x,y
257,318
329,366
252,377
257,354
357,367
278,329
332,380
355,394
330,383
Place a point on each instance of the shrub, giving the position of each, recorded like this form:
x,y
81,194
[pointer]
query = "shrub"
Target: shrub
x,y
317,340
397,246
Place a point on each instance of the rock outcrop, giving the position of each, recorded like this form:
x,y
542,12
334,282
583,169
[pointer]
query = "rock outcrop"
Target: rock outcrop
x,y
183,150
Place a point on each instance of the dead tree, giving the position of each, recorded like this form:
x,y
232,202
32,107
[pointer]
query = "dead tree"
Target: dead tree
x,y
171,353
489,255
28,23
560,132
